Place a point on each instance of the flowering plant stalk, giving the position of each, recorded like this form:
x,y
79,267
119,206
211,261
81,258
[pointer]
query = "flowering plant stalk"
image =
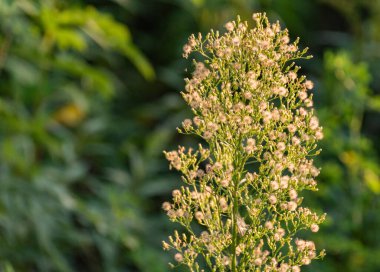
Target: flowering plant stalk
x,y
241,205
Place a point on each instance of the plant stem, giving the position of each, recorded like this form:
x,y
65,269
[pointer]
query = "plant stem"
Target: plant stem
x,y
234,227
240,162
235,213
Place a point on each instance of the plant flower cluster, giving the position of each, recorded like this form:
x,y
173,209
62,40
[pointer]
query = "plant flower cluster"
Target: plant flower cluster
x,y
240,203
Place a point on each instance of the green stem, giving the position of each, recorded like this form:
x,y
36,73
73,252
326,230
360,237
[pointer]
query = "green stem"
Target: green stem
x,y
239,169
234,226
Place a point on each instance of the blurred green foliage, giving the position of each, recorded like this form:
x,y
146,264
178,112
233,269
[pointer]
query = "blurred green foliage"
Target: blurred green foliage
x,y
350,177
65,199
85,115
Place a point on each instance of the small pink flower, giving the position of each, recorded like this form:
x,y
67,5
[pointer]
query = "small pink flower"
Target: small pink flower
x,y
314,228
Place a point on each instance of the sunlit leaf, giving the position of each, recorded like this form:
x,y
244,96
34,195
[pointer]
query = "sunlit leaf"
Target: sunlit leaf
x,y
372,180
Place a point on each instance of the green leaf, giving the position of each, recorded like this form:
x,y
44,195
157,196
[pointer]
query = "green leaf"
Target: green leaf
x,y
372,180
70,39
374,102
138,59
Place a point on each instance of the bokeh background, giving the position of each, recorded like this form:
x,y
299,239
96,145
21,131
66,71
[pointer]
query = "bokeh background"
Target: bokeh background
x,y
89,98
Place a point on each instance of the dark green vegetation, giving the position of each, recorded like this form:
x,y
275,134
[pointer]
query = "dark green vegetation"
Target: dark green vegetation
x,y
89,98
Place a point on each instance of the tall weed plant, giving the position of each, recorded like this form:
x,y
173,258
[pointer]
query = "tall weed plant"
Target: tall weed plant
x,y
241,205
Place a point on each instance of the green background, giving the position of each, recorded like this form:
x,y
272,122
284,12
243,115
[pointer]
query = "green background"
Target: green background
x,y
89,98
